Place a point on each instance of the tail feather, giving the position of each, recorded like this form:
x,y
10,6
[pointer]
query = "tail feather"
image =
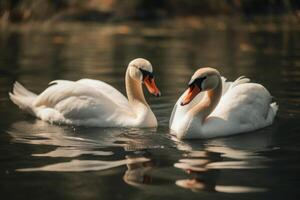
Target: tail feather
x,y
274,107
272,112
23,98
21,90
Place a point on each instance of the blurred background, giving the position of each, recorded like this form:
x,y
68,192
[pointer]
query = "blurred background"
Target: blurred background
x,y
117,10
16,11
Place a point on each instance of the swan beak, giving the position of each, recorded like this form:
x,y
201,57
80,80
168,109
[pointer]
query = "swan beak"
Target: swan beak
x,y
151,86
192,92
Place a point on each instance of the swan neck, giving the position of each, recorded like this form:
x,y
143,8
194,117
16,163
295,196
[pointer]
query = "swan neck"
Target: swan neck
x,y
134,91
143,115
207,105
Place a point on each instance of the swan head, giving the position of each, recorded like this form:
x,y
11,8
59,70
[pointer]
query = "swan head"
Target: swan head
x,y
141,70
204,79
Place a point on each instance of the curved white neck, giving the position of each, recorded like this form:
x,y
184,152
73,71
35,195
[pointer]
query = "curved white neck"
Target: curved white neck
x,y
143,114
134,91
208,103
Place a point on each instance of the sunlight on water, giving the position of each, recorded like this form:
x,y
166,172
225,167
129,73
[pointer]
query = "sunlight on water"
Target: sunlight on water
x,y
233,153
197,186
238,189
84,165
72,152
233,165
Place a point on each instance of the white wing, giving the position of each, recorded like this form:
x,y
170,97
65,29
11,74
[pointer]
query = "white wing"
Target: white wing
x,y
244,107
111,92
85,102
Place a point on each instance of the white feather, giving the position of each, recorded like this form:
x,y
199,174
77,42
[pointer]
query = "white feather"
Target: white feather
x,y
243,107
85,102
89,102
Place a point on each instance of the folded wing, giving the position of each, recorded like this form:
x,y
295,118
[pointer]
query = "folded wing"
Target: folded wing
x,y
84,102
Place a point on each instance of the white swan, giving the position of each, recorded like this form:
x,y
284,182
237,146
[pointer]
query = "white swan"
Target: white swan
x,y
93,103
212,107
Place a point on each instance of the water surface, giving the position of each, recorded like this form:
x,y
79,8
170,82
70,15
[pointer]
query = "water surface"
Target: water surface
x,y
44,161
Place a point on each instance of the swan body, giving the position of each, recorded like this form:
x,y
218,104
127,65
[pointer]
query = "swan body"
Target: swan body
x,y
90,102
213,107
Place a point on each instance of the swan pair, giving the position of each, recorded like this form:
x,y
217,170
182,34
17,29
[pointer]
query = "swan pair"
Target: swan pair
x,y
210,107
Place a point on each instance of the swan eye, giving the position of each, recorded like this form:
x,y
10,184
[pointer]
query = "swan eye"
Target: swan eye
x,y
146,73
197,81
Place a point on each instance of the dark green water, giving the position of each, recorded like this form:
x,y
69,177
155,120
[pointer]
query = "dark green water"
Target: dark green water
x,y
43,161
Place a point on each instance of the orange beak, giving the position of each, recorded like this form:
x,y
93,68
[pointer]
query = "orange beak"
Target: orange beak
x,y
192,92
151,86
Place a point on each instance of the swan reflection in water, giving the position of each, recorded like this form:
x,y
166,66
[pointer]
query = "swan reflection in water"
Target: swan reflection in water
x,y
145,177
136,173
206,162
70,143
102,146
146,156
